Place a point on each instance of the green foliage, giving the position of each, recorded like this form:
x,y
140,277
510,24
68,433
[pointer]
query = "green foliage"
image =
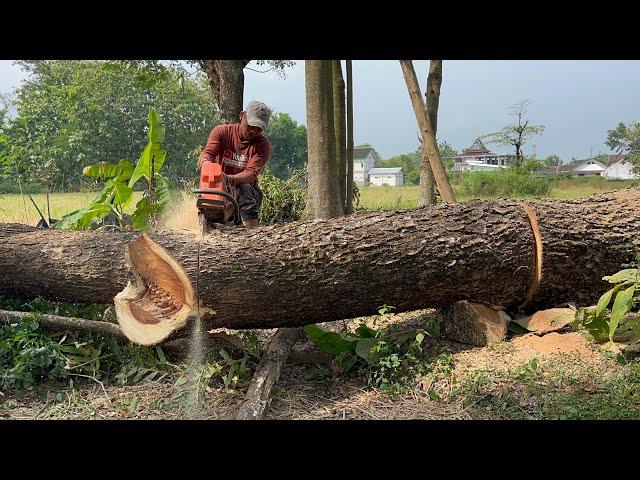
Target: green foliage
x,y
391,363
410,162
288,146
117,192
517,134
604,321
29,356
283,200
74,113
626,139
512,181
552,161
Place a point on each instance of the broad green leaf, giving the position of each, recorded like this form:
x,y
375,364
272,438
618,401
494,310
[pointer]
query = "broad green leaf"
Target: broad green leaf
x,y
630,274
605,299
365,332
103,195
153,152
346,360
81,219
123,194
143,167
363,349
419,337
108,170
330,342
163,191
156,129
621,305
142,215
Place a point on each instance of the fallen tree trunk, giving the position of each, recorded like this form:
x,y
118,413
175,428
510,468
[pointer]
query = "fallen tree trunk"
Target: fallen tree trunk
x,y
345,267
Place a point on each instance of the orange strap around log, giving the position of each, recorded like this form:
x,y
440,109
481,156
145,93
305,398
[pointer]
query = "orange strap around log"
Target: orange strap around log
x,y
533,220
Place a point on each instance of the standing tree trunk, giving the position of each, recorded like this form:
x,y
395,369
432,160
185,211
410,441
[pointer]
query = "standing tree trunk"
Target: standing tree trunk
x,y
340,130
323,199
432,94
428,138
349,138
226,78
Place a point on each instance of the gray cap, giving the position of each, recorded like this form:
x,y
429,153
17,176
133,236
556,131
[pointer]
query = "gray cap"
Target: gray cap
x,y
258,114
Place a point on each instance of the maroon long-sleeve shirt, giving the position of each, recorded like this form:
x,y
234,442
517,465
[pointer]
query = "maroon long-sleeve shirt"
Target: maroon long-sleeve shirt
x,y
243,160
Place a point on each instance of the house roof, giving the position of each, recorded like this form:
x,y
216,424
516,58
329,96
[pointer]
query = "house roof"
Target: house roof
x,y
558,168
613,159
590,165
363,152
385,171
476,148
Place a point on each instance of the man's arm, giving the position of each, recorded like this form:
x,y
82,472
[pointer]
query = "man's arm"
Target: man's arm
x,y
255,166
213,148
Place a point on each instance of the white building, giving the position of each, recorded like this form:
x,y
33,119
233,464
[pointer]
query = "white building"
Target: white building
x,y
621,170
589,167
386,176
364,159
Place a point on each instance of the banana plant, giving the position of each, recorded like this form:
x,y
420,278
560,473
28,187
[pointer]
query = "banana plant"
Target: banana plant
x,y
117,193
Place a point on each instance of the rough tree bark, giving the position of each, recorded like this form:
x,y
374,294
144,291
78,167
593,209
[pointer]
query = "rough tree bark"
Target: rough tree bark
x,y
428,138
432,94
349,138
226,78
340,130
323,199
267,373
317,271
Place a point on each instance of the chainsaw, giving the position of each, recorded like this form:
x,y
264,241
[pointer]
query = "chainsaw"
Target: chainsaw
x,y
216,202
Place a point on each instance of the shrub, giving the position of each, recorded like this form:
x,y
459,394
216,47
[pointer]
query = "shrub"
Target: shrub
x,y
29,355
283,200
512,181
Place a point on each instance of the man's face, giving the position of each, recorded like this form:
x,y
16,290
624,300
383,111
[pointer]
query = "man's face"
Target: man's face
x,y
247,131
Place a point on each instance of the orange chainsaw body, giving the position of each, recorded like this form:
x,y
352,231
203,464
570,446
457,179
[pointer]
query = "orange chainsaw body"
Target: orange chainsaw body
x,y
215,208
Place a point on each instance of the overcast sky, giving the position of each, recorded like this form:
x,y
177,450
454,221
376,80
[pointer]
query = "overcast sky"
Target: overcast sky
x,y
577,101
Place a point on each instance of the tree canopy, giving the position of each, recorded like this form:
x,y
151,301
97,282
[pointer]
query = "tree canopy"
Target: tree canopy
x,y
70,114
288,145
517,134
626,139
410,162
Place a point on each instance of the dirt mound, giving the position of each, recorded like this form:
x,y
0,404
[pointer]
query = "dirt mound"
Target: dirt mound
x,y
521,350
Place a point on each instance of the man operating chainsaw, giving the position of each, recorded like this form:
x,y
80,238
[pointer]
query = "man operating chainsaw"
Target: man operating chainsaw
x,y
242,150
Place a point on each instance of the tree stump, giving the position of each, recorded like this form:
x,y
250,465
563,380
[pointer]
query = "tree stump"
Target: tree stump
x,y
475,324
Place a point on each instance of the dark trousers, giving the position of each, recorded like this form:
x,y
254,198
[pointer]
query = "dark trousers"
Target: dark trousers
x,y
249,200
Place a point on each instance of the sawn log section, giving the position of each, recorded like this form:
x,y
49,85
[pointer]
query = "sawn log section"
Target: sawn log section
x,y
307,272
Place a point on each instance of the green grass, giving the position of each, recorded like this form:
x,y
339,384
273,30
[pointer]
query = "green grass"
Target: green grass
x,y
556,389
12,206
394,198
16,209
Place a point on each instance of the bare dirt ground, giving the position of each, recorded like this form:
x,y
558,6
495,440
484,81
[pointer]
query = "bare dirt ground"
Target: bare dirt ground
x,y
467,386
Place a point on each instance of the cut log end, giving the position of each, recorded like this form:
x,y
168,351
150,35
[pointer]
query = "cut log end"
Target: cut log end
x,y
160,301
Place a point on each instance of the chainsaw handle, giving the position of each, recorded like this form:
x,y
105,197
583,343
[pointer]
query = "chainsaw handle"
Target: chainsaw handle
x,y
231,198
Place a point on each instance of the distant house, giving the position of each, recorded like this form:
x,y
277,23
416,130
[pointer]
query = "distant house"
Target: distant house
x,y
479,157
620,170
386,176
589,167
558,169
364,159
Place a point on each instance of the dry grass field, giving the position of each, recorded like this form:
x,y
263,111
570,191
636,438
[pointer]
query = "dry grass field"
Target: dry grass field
x,y
17,209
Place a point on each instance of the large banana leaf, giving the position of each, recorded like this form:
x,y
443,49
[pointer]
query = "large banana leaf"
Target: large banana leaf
x,y
123,193
153,152
81,219
123,170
